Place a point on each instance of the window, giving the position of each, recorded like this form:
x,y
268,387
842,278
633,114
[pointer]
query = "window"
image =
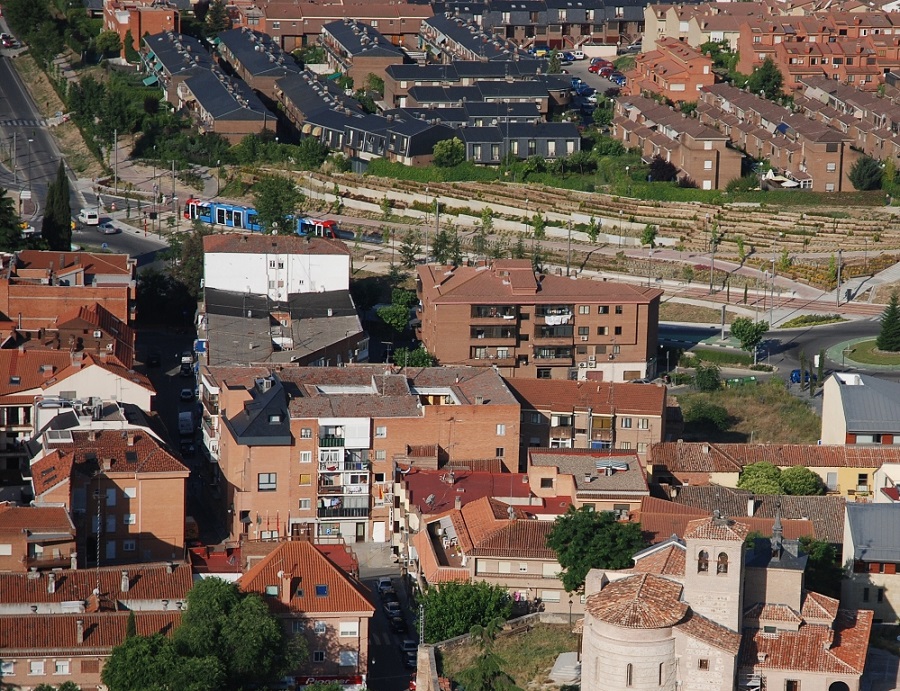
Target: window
x,y
110,524
6,549
349,658
305,504
770,629
546,483
831,167
722,563
305,479
603,309
703,664
267,482
36,667
111,496
642,447
703,561
629,674
349,629
380,455
602,330
501,430
321,590
584,309
881,595
626,423
707,165
618,331
865,595
618,309
129,545
380,432
306,433
306,456
544,373
791,685
320,627
625,445
319,656
584,330
276,25
7,669
550,595
499,452
643,423
129,519
130,492
504,567
62,667
523,567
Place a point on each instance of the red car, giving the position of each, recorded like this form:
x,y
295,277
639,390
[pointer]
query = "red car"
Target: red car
x,y
606,71
595,68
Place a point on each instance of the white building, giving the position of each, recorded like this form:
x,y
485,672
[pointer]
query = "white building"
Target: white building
x,y
275,265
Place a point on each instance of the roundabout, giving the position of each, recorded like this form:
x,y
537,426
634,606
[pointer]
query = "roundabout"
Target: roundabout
x,y
861,352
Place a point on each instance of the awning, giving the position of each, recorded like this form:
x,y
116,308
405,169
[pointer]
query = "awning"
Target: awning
x,y
334,76
151,80
307,128
316,131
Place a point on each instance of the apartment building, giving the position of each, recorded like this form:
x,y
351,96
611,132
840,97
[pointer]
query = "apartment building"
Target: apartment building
x,y
673,70
169,58
114,483
803,150
134,19
357,50
256,59
314,450
860,410
699,23
36,537
562,414
506,317
314,598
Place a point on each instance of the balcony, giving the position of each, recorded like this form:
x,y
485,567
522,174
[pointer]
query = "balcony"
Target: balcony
x,y
330,442
48,561
492,314
343,489
561,431
343,466
343,513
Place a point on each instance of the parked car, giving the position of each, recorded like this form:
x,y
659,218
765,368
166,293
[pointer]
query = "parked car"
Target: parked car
x,y
595,68
384,583
539,51
392,609
578,55
109,229
570,57
795,376
409,660
606,71
154,359
591,98
409,645
186,395
398,625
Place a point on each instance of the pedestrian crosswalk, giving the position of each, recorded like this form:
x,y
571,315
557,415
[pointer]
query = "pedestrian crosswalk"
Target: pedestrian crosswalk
x,y
384,638
24,122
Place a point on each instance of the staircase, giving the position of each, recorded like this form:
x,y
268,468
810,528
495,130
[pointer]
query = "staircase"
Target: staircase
x,y
566,669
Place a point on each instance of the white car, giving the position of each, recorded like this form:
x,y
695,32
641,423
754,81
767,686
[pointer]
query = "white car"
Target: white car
x,y
592,99
109,229
578,54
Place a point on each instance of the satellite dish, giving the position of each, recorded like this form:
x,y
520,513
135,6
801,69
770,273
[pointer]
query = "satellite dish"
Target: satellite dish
x,y
430,500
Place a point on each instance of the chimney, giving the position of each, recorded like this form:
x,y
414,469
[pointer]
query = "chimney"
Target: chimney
x,y
751,507
51,583
170,568
704,449
107,464
124,584
285,590
73,560
457,503
92,435
129,438
79,631
479,400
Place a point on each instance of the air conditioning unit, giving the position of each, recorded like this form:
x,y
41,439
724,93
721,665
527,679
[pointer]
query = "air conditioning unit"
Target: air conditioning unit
x,y
592,358
582,365
584,338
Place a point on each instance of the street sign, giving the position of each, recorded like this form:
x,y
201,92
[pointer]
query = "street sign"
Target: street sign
x,y
25,194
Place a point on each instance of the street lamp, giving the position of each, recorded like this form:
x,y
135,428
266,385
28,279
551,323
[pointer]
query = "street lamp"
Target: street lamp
x,y
570,611
628,179
569,247
218,178
620,227
844,352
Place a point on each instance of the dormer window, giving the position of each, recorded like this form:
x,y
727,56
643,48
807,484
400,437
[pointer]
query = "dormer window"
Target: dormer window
x,y
703,561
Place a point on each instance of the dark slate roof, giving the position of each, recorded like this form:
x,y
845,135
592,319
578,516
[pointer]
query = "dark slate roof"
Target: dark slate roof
x,y
445,94
258,53
358,38
542,130
874,532
239,103
870,404
517,6
332,119
305,91
431,73
449,116
93,5
510,89
264,421
575,4
178,52
630,13
374,124
473,38
481,135
476,109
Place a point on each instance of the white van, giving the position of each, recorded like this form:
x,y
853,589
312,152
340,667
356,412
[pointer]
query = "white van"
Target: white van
x,y
578,54
89,217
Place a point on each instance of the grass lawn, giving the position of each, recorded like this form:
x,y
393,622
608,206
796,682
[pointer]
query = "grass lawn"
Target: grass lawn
x,y
866,354
768,411
529,656
679,312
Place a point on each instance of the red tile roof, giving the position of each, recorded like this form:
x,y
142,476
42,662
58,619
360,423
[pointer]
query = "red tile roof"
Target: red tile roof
x,y
716,529
702,629
21,370
561,395
99,317
818,606
61,262
272,244
666,561
773,612
307,569
35,519
691,457
467,487
146,582
643,601
433,571
56,633
813,648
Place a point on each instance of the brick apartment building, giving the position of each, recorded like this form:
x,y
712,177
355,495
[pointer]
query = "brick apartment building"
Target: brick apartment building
x,y
811,153
699,23
136,18
562,414
313,450
256,59
673,70
699,151
523,324
357,50
36,537
123,477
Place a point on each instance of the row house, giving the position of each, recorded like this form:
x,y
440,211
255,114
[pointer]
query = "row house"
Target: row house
x,y
314,450
871,553
563,414
293,24
850,61
448,38
508,318
357,50
500,94
37,286
673,70
699,151
398,79
814,155
491,145
169,58
225,106
698,23
300,96
848,471
847,402
113,481
131,20
256,59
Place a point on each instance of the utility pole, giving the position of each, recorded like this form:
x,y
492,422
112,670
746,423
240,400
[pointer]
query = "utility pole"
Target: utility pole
x,y
15,161
712,258
772,301
116,159
837,290
569,247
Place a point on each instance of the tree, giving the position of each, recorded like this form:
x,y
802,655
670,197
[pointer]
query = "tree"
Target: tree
x,y
189,270
454,608
395,316
152,663
108,43
832,269
801,481
238,631
406,298
10,230
889,335
449,153
418,357
584,539
539,226
456,256
57,226
823,570
706,413
866,173
487,220
440,248
687,273
375,83
785,261
217,19
706,378
662,170
387,206
741,250
409,248
648,235
485,673
761,478
131,625
767,78
554,64
749,333
131,55
276,201
593,229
